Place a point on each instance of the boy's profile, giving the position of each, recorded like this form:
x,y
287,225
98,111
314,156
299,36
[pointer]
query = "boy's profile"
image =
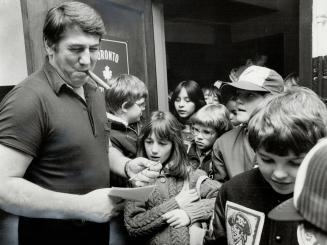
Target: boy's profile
x,y
232,153
281,131
309,203
208,123
125,102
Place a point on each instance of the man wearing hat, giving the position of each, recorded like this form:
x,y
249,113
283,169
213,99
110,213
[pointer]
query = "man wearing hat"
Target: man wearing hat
x,y
232,153
309,202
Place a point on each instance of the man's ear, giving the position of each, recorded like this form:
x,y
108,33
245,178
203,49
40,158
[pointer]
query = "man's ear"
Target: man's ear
x,y
48,48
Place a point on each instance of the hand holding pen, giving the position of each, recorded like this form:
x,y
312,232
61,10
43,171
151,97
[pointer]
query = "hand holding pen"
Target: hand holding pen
x,y
146,169
142,171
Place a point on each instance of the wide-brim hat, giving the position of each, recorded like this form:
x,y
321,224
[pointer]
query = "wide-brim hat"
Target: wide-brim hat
x,y
309,202
257,78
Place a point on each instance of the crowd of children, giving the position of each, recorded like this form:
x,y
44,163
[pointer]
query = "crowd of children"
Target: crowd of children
x,y
230,154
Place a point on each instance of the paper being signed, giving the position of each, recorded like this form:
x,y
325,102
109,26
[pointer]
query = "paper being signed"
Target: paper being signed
x,y
135,194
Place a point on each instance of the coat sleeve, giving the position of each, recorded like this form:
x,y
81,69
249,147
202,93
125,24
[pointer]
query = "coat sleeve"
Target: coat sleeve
x,y
219,226
140,220
218,163
202,209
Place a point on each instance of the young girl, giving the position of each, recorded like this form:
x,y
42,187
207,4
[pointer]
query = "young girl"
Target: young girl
x,y
211,95
174,205
186,99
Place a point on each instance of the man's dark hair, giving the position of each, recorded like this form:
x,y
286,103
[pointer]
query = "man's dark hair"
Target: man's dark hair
x,y
70,14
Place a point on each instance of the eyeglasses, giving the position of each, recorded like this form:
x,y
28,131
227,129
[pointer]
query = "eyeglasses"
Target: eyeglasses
x,y
204,132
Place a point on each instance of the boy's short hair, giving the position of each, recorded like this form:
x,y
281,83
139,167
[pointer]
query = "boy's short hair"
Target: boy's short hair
x,y
215,116
309,202
292,121
124,88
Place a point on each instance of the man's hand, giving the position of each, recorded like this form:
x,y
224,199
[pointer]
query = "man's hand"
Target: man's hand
x,y
177,218
185,197
98,206
142,171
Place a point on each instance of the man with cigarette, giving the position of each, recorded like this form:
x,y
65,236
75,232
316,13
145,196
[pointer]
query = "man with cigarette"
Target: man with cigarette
x,y
54,161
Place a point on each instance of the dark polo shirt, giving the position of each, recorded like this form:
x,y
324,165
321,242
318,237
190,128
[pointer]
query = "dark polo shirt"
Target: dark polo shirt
x,y
67,138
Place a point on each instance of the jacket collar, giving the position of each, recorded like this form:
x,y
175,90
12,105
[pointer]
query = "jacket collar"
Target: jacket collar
x,y
116,119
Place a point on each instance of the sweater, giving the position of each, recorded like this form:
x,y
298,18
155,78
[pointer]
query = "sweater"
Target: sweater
x,y
144,221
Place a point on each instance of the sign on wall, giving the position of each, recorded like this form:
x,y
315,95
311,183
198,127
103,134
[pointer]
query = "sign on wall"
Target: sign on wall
x,y
112,59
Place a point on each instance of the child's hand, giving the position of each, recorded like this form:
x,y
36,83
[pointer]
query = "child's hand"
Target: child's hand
x,y
177,218
185,197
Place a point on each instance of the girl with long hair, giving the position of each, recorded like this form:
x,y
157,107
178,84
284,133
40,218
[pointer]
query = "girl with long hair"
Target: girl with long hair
x,y
175,204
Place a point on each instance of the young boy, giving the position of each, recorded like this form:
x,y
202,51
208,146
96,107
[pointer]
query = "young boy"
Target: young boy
x,y
125,101
232,153
281,131
309,203
208,124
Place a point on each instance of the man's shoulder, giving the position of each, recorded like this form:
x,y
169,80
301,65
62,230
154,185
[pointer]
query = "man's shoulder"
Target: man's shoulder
x,y
35,82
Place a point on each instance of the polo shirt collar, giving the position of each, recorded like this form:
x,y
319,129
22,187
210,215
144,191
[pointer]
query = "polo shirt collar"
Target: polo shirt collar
x,y
56,82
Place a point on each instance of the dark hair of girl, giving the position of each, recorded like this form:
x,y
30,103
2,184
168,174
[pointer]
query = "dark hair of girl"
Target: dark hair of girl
x,y
166,127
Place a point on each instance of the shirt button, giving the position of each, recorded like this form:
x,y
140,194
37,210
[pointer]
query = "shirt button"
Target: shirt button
x,y
278,239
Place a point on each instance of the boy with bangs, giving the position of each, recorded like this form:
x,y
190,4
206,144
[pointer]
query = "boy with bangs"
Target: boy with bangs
x,y
208,123
281,131
125,101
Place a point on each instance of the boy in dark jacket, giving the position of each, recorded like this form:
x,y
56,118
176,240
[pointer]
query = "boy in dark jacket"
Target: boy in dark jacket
x,y
281,131
125,101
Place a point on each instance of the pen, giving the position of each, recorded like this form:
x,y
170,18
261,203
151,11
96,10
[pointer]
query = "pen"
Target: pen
x,y
148,168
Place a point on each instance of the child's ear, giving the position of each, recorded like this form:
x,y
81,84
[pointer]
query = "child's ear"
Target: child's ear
x,y
124,107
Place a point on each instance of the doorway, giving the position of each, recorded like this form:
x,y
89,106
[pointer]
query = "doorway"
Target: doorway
x,y
204,41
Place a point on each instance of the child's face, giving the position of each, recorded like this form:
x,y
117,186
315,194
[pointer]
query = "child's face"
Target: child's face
x,y
247,101
210,98
232,107
157,149
279,171
204,137
134,113
183,105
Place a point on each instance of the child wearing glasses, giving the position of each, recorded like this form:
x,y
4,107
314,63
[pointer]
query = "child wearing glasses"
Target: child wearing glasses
x,y
209,123
125,101
176,204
